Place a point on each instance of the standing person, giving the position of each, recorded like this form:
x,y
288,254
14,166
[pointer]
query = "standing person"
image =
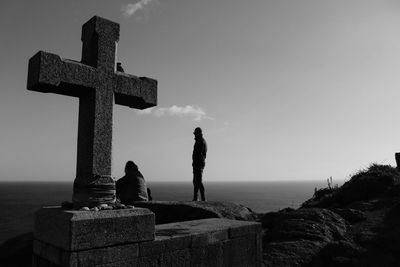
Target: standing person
x,y
198,163
131,187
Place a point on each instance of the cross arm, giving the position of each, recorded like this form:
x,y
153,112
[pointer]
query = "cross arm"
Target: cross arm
x,y
135,92
49,73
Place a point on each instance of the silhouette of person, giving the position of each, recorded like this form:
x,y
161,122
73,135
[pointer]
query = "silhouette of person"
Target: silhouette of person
x,y
119,67
149,194
131,187
198,163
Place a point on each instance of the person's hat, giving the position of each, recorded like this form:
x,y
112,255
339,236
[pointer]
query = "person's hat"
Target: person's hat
x,y
198,131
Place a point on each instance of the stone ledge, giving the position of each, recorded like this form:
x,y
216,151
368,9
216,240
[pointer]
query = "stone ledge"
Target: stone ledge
x,y
191,243
198,233
79,230
179,211
233,227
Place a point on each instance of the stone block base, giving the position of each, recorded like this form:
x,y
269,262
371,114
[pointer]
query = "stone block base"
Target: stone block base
x,y
208,242
72,230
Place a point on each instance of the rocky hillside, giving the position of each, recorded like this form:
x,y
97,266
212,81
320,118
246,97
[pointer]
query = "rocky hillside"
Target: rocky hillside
x,y
357,224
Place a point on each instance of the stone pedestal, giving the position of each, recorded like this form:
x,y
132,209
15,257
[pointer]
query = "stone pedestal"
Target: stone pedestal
x,y
84,238
129,238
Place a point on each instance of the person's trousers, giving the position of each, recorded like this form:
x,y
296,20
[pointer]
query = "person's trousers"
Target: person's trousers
x,y
198,183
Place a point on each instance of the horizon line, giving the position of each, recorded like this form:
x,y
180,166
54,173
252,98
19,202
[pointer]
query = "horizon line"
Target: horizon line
x,y
185,181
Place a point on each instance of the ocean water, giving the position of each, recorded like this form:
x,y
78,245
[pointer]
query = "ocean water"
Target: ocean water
x,y
20,200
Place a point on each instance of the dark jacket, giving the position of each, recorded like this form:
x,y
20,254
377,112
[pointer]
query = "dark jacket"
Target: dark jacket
x,y
199,152
132,187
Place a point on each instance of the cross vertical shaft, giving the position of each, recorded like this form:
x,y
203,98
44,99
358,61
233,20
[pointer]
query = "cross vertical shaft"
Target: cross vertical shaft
x,y
93,183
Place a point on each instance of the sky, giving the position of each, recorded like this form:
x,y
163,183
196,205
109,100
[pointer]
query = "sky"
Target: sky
x,y
284,90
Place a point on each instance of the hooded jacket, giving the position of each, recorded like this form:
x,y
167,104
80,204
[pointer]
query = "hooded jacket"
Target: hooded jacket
x,y
132,187
199,152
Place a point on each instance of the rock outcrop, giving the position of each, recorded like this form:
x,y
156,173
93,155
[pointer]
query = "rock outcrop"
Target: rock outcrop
x,y
356,225
293,237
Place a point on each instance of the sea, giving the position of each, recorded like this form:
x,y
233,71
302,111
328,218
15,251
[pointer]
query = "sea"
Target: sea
x,y
20,200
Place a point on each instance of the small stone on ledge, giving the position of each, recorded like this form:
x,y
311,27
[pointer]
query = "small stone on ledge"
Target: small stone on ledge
x,y
66,205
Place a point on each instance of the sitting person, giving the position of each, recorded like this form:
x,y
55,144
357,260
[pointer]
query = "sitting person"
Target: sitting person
x,y
149,194
131,187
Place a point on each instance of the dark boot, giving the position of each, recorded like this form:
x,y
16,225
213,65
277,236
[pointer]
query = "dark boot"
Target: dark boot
x,y
203,197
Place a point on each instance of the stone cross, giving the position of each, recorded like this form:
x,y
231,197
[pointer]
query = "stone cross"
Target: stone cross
x,y
96,83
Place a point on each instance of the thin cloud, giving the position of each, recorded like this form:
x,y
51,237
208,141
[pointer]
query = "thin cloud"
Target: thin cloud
x,y
130,9
196,113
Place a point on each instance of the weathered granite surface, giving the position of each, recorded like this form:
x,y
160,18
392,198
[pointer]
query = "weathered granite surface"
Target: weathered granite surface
x,y
96,83
178,211
209,242
79,230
